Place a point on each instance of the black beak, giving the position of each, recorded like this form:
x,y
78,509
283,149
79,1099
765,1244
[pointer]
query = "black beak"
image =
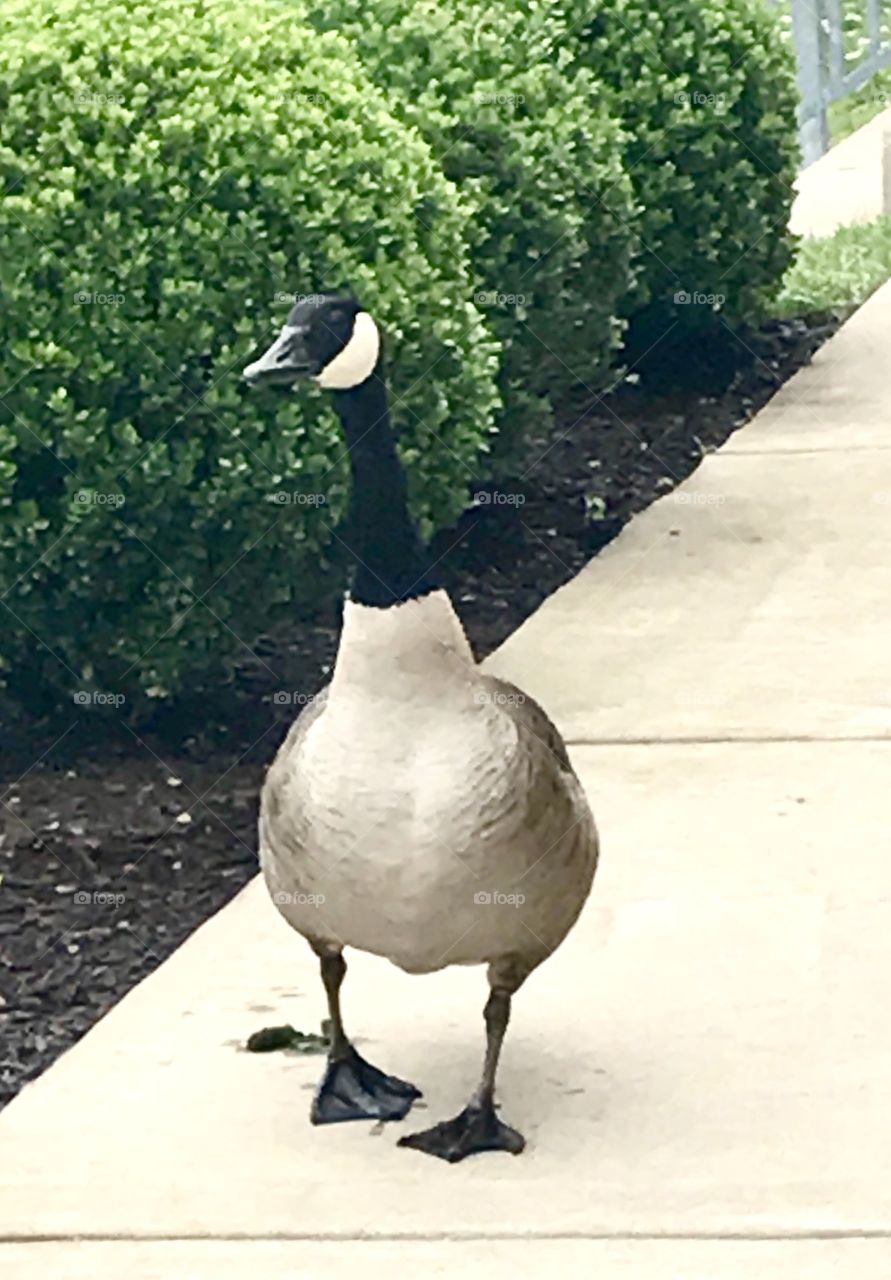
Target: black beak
x,y
285,361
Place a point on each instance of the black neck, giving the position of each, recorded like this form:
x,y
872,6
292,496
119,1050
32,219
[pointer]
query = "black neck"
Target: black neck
x,y
391,564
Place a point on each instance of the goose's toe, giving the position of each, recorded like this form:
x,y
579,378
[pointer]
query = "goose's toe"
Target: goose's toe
x,y
353,1089
477,1128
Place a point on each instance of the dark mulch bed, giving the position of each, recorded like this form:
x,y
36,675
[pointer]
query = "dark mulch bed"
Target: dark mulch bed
x,y
114,847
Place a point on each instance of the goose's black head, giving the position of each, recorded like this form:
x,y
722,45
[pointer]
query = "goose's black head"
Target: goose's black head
x,y
329,338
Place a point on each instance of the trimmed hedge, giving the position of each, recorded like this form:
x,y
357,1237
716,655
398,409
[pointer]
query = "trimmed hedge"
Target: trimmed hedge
x,y
168,178
706,100
707,95
498,181
539,155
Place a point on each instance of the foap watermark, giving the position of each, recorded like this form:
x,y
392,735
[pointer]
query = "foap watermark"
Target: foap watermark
x,y
485,498
88,298
294,498
288,698
492,298
684,299
97,498
298,95
498,698
95,98
499,98
284,899
698,498
96,698
99,898
486,899
696,98
294,298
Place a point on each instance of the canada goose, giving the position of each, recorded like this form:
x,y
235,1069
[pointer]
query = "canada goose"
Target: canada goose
x,y
419,809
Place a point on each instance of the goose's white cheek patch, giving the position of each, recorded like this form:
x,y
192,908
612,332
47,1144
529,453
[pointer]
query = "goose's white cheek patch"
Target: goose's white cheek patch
x,y
357,360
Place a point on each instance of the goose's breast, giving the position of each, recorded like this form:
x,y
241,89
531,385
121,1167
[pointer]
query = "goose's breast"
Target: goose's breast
x,y
413,801
408,844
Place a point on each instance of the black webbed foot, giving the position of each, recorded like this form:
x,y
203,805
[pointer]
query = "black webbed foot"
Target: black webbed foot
x,y
477,1128
352,1089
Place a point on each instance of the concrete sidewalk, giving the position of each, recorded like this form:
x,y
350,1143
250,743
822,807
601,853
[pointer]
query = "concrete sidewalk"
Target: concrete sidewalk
x,y
701,1071
851,183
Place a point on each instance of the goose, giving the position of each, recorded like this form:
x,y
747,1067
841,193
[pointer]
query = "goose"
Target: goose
x,y
419,809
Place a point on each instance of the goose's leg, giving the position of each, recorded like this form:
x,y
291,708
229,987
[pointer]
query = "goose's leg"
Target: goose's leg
x,y
477,1127
352,1089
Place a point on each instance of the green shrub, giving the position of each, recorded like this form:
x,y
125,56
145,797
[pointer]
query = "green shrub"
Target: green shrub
x,y
167,178
539,156
706,93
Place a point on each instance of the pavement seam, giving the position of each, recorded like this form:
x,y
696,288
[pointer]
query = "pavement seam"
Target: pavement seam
x,y
423,1237
743,739
793,452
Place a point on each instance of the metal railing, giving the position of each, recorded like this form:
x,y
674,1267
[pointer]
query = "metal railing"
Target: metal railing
x,y
840,45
